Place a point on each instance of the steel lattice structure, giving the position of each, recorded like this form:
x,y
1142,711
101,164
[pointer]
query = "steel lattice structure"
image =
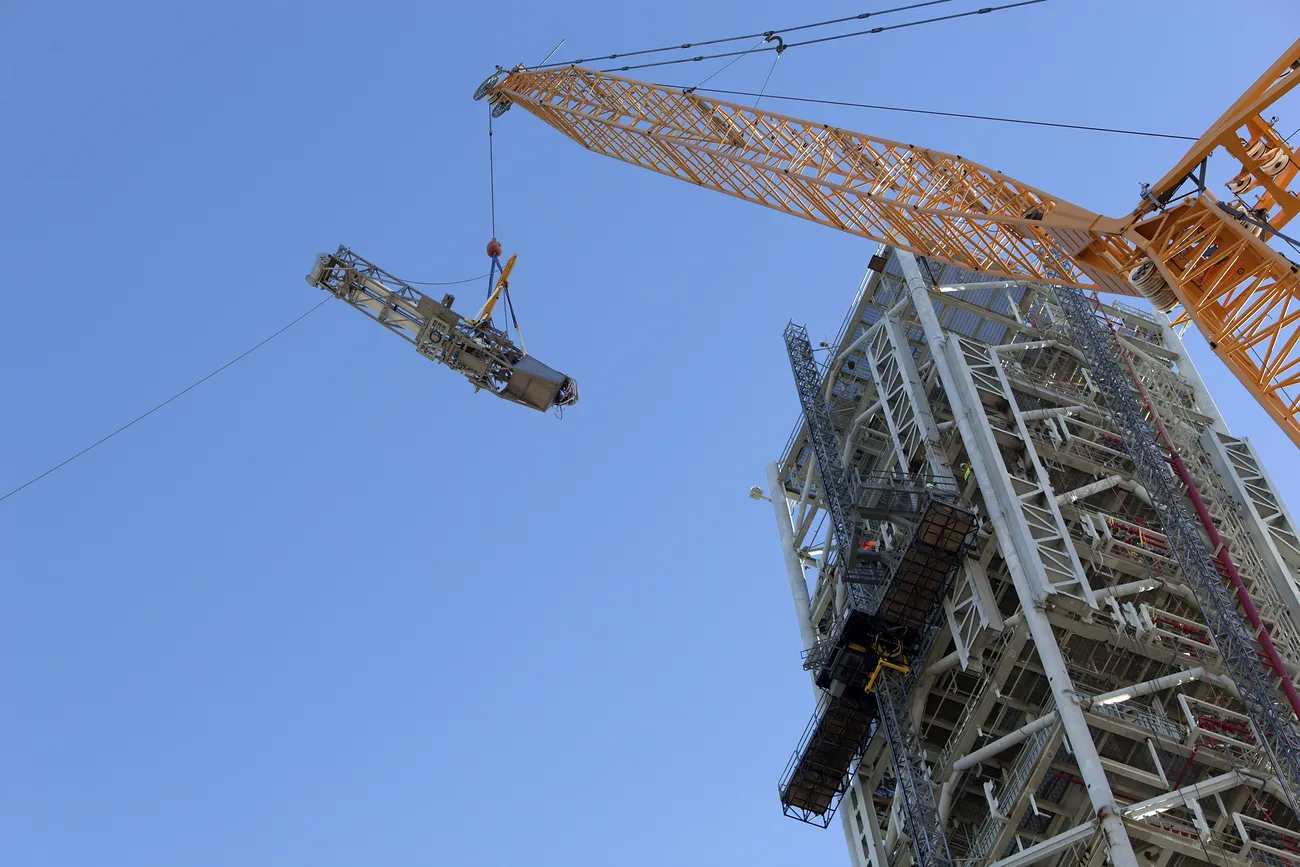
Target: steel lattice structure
x,y
1188,249
838,494
1265,706
1075,698
929,843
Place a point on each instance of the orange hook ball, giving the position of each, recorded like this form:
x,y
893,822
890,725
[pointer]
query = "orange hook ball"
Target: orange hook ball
x,y
494,248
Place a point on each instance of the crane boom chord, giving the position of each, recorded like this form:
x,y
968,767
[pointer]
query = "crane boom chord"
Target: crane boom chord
x,y
1211,259
933,203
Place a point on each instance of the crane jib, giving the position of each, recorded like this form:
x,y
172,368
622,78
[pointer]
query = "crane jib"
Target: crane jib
x,y
1207,266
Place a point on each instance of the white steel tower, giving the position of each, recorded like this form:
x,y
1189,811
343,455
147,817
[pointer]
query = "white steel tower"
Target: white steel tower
x,y
1049,602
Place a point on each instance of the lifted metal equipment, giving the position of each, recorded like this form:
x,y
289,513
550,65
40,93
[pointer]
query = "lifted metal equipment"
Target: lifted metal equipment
x,y
474,348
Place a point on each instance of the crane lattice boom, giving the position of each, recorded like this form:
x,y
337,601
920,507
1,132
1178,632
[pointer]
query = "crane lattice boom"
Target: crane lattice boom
x,y
1212,260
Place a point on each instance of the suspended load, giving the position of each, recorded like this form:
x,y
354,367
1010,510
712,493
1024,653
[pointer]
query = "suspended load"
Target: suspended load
x,y
473,347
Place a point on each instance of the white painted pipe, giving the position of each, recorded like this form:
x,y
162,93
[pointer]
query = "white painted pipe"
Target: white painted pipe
x,y
928,674
997,284
1021,347
1128,589
1188,371
1088,490
1133,346
945,795
1116,696
1022,734
1137,490
1146,687
1040,851
895,819
991,749
807,487
1102,798
853,430
833,370
1180,797
794,570
1035,414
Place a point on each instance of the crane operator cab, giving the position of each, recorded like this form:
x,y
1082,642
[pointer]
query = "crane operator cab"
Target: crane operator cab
x,y
473,347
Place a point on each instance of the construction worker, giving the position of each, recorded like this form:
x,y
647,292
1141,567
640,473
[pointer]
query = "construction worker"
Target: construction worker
x,y
869,549
965,472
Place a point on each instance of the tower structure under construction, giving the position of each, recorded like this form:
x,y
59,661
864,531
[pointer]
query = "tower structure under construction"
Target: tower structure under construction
x,y
1048,600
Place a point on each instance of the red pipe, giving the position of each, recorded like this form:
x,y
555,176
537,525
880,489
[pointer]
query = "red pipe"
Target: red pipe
x,y
1225,560
1187,766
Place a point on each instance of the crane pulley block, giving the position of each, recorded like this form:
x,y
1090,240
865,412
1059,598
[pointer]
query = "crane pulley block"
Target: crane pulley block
x,y
474,348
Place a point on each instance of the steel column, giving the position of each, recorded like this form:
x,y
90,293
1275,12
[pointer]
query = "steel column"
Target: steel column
x,y
1012,543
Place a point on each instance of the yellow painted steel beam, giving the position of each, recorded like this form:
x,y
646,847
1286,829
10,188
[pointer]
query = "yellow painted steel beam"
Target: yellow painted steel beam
x,y
502,282
1243,295
1276,81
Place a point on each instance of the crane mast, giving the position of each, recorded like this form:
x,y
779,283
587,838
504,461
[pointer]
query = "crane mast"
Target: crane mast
x,y
1181,250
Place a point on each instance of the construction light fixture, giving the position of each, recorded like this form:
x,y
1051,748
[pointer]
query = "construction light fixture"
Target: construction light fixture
x,y
756,493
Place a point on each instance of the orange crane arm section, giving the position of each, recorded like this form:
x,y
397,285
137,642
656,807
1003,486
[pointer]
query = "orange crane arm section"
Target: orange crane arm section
x,y
932,203
1242,294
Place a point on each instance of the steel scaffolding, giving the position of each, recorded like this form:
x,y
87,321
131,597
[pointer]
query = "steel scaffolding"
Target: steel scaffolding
x,y
837,493
1072,687
889,620
1228,631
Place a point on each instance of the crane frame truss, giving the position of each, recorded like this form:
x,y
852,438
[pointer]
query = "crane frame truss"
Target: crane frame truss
x,y
1243,294
932,203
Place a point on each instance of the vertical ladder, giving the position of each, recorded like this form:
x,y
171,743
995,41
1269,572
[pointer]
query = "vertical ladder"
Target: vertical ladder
x,y
836,493
920,810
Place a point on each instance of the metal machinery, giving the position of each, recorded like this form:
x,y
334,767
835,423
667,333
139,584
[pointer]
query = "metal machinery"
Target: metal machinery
x,y
1075,642
473,348
1211,259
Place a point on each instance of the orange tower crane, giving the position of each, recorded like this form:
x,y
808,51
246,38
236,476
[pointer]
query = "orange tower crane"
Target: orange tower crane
x,y
1181,247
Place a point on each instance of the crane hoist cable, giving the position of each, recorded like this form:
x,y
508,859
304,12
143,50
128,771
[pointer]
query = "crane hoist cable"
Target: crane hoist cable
x,y
444,282
762,94
746,36
501,288
492,177
775,57
183,391
498,275
729,63
874,30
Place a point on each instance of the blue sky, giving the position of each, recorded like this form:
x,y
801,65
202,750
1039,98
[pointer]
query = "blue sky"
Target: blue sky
x,y
333,608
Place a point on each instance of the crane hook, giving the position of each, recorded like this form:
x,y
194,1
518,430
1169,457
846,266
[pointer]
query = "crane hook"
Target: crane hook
x,y
770,36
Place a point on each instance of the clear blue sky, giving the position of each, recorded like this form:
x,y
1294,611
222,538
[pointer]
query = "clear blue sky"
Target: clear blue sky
x,y
335,609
